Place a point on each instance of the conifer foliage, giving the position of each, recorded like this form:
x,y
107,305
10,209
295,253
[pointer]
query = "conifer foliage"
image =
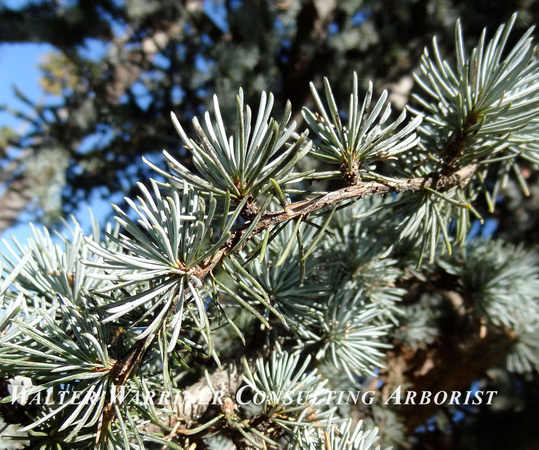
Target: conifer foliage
x,y
232,301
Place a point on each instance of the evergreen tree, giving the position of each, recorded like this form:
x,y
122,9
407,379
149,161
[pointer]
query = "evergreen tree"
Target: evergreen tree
x,y
247,297
119,67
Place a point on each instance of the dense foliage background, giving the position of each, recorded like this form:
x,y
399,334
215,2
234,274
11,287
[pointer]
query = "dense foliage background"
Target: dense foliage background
x,y
120,68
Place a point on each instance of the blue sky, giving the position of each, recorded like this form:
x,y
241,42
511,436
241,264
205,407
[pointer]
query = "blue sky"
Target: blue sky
x,y
19,66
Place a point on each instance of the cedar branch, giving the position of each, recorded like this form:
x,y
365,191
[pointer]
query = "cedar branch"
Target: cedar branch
x,y
360,190
298,209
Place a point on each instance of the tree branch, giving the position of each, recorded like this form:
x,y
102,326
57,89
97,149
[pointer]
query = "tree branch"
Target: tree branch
x,y
14,200
197,397
313,22
303,208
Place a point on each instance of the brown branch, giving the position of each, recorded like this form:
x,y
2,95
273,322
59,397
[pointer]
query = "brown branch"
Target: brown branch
x,y
305,53
197,398
466,338
119,374
16,197
18,187
360,190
